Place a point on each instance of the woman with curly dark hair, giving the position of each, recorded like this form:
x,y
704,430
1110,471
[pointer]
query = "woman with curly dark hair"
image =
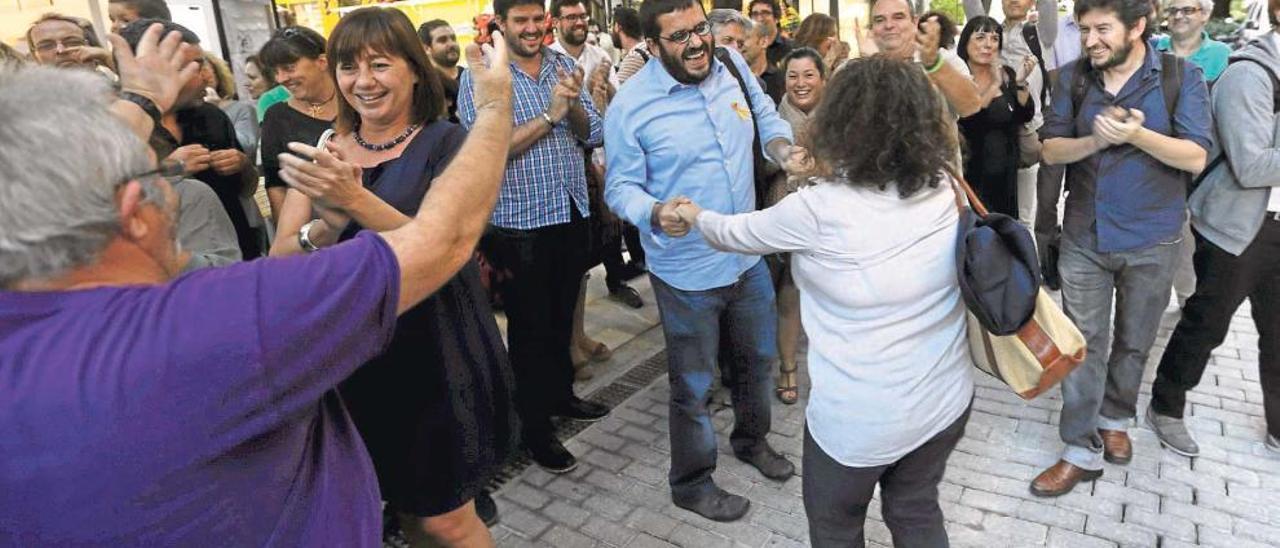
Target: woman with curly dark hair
x,y
873,253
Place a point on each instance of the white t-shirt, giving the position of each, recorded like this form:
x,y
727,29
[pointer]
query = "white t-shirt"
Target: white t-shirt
x,y
591,58
880,302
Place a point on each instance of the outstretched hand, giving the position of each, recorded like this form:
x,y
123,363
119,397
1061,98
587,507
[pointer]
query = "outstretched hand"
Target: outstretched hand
x,y
160,67
492,76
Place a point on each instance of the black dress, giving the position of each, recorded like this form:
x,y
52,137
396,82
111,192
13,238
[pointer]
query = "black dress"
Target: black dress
x,y
991,165
281,125
435,409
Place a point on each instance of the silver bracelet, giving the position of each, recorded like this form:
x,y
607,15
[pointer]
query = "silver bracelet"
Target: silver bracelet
x,y
548,120
304,237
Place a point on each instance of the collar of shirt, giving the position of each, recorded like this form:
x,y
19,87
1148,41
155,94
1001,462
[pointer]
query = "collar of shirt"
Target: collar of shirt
x,y
1165,43
551,60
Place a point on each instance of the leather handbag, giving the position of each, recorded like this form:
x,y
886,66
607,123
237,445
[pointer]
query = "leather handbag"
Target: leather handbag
x,y
1017,333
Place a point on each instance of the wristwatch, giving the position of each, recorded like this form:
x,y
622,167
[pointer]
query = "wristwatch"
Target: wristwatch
x,y
304,237
548,120
145,103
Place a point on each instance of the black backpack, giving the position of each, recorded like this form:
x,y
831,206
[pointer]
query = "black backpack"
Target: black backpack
x,y
1222,152
758,162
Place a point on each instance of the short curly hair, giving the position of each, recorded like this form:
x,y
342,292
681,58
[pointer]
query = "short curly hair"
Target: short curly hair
x,y
894,101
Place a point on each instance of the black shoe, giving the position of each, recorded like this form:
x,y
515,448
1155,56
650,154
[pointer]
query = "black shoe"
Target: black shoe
x,y
633,269
627,295
579,409
487,509
770,463
717,506
551,455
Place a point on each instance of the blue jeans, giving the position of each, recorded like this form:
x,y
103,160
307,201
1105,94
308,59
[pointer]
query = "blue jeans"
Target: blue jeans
x,y
694,323
1103,391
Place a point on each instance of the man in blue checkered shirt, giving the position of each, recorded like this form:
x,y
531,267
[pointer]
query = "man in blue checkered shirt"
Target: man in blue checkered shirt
x,y
539,230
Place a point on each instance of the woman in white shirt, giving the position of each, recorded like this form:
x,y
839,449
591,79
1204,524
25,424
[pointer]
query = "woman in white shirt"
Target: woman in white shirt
x,y
873,253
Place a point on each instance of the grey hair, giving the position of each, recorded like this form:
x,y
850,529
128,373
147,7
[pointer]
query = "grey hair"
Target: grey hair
x,y
721,17
62,156
1206,5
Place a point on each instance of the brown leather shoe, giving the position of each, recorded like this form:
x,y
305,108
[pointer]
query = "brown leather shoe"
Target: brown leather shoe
x,y
1116,447
1061,478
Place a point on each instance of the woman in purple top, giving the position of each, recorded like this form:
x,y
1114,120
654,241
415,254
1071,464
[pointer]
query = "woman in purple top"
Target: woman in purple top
x,y
435,409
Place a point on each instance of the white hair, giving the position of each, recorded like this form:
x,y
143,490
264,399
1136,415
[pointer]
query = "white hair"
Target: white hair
x,y
719,18
62,156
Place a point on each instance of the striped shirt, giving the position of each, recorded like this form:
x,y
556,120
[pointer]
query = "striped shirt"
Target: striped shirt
x,y
542,183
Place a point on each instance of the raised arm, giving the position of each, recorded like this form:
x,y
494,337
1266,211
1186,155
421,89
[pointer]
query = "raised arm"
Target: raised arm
x,y
433,246
1047,23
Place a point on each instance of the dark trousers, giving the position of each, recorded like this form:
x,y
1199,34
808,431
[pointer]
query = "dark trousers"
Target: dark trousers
x,y
614,266
698,325
1223,281
1048,192
546,267
836,496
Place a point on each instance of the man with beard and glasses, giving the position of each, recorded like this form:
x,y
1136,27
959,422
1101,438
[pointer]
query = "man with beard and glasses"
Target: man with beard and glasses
x,y
682,130
1128,163
539,227
441,43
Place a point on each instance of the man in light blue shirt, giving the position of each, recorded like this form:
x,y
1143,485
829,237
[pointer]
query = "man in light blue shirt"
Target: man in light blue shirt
x,y
682,129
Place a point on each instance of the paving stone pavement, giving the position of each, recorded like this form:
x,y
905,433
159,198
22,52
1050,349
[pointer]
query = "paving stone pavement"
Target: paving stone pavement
x,y
1228,497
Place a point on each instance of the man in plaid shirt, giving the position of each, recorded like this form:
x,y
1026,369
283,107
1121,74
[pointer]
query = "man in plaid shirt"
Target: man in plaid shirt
x,y
539,230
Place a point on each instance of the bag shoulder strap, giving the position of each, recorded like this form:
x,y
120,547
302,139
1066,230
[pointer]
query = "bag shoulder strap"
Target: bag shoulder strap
x,y
723,55
1171,69
1031,36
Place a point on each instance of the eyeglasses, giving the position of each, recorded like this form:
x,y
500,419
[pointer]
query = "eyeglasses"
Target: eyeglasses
x,y
576,17
71,42
1183,12
684,36
171,171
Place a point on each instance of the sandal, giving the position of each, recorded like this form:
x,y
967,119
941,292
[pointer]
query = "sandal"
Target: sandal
x,y
788,392
601,353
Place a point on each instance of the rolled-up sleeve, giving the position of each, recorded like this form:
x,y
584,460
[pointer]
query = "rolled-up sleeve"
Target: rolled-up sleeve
x,y
1193,118
1060,121
624,190
595,131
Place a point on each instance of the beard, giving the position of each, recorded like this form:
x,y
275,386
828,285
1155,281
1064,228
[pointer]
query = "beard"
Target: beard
x,y
675,65
617,39
575,36
515,47
1117,57
447,59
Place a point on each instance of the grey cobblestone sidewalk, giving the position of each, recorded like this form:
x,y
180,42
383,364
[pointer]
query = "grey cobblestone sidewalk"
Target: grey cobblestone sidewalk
x,y
1228,497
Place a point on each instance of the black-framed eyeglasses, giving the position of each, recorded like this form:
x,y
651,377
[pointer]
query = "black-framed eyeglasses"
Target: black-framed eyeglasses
x,y
683,36
171,171
1184,12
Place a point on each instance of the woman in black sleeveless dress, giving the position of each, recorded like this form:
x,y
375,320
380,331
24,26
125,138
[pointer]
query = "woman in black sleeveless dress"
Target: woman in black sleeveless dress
x,y
435,409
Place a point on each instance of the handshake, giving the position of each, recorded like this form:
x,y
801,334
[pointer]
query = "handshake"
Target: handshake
x,y
676,217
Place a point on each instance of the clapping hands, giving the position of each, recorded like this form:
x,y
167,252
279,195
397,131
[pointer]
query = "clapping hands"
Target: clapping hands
x,y
1117,126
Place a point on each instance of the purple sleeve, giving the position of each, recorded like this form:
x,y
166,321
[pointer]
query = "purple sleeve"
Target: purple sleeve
x,y
323,315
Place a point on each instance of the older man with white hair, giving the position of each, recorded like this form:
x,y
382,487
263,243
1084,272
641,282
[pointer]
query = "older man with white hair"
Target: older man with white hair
x,y
1188,39
137,409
